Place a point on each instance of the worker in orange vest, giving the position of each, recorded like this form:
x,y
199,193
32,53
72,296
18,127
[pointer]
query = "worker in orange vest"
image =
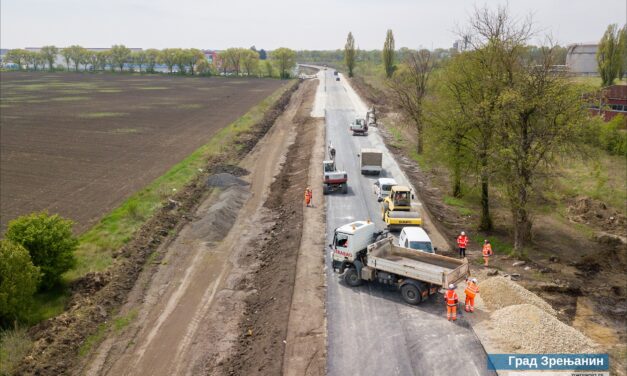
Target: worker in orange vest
x,y
308,196
487,252
472,289
462,242
451,299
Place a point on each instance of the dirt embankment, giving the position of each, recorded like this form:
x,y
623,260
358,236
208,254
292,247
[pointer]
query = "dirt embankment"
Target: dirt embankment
x,y
97,296
262,340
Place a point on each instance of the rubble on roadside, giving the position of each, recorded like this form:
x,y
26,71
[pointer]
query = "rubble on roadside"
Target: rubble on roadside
x,y
498,292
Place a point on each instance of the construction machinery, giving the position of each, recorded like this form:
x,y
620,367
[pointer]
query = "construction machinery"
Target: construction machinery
x,y
415,273
359,127
333,179
396,209
370,161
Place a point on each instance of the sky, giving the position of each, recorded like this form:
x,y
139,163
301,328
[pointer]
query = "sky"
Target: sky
x,y
296,24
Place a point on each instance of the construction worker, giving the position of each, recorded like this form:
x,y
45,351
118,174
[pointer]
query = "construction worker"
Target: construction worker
x,y
451,300
472,289
462,243
487,252
308,196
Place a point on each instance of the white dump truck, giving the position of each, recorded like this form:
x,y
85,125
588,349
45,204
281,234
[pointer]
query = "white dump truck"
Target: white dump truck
x,y
415,273
370,161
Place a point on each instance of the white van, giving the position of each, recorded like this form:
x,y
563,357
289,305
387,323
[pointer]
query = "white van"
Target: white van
x,y
382,187
416,238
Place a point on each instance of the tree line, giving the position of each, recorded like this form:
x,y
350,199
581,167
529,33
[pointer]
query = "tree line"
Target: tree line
x,y
237,61
499,113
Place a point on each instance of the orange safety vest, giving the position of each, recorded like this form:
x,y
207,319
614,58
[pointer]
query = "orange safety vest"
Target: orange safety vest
x,y
487,250
471,289
451,298
462,241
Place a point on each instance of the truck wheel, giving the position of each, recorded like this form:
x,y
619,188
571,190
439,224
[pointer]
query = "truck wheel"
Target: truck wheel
x,y
344,189
351,277
325,189
410,294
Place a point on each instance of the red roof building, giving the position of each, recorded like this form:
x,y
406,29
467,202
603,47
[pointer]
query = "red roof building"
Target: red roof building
x,y
609,102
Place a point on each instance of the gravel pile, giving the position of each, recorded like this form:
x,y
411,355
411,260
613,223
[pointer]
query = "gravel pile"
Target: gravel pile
x,y
529,329
224,179
498,292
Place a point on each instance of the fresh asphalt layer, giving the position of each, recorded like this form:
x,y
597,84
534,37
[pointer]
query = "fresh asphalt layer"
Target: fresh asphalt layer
x,y
371,331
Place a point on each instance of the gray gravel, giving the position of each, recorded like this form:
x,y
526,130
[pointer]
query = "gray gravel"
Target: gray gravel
x,y
224,179
498,292
529,329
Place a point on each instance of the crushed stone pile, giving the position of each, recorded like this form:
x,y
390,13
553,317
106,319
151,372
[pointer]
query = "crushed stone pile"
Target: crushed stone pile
x,y
529,329
224,179
498,292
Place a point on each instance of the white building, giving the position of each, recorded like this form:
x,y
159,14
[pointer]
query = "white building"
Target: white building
x,y
581,59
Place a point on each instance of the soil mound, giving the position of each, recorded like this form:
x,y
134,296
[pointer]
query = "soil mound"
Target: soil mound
x,y
596,213
218,219
498,292
529,329
224,179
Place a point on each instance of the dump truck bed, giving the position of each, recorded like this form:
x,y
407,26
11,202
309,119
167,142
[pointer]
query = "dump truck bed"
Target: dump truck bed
x,y
427,267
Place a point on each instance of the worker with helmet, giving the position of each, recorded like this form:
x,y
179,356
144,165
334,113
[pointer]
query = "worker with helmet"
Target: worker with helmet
x,y
451,300
472,289
308,196
487,252
462,243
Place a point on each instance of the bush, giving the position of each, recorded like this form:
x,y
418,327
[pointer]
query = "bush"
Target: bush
x,y
610,136
50,242
18,281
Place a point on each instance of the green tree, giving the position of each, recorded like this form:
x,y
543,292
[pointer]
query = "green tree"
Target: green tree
x,y
409,85
67,56
181,59
152,57
193,56
388,54
18,281
120,55
76,55
104,59
49,241
17,57
92,60
268,68
538,115
622,43
139,59
609,57
50,54
250,61
285,60
168,57
349,54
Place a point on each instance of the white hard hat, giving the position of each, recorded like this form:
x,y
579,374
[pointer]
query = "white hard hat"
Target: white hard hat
x,y
451,287
474,280
463,233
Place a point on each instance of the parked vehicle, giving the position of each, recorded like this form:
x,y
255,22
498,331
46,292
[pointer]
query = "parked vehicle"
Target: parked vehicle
x,y
335,73
337,78
382,187
416,274
396,210
370,161
359,127
416,238
333,180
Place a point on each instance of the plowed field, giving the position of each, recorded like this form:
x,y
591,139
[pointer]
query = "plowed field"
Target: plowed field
x,y
79,144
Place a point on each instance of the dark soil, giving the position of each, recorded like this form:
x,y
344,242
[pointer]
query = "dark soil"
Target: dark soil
x,y
261,345
96,297
80,144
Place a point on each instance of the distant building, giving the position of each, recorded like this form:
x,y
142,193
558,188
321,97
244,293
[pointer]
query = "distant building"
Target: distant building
x,y
609,102
462,45
581,59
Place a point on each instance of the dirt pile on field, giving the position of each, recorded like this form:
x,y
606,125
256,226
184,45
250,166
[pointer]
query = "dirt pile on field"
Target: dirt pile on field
x,y
224,179
529,329
596,213
218,219
498,292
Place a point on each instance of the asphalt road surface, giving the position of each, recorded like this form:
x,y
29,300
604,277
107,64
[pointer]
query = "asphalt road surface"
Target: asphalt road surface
x,y
371,331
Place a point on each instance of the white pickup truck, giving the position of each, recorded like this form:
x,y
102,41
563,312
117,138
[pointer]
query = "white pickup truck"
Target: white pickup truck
x,y
416,274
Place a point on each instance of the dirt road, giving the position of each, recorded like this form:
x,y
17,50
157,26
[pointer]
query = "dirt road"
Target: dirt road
x,y
187,314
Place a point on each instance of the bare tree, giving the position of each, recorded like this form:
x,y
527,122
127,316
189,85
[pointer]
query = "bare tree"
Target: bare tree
x,y
409,85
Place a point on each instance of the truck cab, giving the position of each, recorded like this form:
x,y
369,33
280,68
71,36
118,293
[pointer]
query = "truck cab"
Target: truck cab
x,y
417,239
351,240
